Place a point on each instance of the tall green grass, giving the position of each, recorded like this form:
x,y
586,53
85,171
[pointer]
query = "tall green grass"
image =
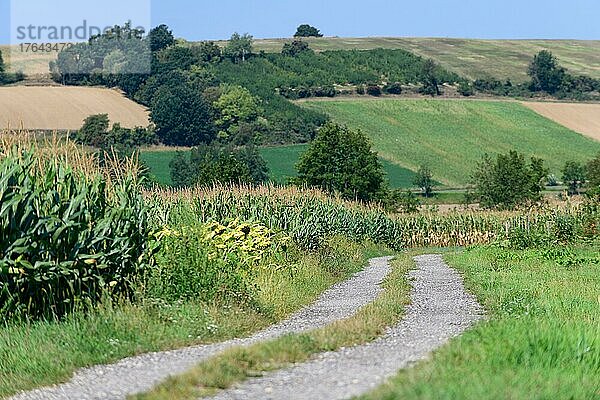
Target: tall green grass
x,y
542,339
451,136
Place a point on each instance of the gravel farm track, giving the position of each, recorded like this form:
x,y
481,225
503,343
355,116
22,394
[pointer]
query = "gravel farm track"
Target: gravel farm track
x,y
440,310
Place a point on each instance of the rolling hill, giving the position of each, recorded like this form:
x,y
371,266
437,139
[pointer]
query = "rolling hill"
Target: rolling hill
x,y
451,135
471,58
65,108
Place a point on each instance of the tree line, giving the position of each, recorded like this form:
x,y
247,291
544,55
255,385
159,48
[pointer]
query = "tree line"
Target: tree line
x,y
8,77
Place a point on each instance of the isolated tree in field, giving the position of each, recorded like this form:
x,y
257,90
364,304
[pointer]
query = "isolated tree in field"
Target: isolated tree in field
x,y
429,78
341,160
573,176
306,30
424,180
507,181
239,47
546,75
182,117
161,38
593,172
295,47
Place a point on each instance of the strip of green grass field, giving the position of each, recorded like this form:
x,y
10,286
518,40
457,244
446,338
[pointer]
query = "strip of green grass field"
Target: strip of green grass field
x,y
281,161
451,136
542,340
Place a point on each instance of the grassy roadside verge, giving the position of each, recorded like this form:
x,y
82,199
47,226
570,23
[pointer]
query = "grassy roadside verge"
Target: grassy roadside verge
x,y
42,353
238,364
542,340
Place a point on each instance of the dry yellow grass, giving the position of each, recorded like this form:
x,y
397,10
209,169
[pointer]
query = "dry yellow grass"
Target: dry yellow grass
x,y
65,108
30,63
580,117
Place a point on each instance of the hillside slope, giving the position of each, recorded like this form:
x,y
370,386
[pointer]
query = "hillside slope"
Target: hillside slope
x,y
583,118
65,108
451,136
472,58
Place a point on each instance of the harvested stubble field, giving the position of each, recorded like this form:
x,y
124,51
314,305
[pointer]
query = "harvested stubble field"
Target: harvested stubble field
x,y
65,108
580,117
29,63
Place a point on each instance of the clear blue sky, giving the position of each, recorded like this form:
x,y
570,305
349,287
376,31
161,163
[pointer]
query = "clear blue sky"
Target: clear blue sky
x,y
217,19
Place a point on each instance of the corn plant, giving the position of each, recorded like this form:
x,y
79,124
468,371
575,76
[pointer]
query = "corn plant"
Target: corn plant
x,y
64,241
310,218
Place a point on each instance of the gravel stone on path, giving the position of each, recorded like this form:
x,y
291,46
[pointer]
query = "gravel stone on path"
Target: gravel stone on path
x,y
440,309
139,374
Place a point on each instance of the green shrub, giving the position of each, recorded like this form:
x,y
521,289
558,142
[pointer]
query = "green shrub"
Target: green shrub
x,y
393,88
211,261
64,241
374,90
466,89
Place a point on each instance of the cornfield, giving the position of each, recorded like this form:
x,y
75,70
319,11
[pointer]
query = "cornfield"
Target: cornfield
x,y
65,238
310,217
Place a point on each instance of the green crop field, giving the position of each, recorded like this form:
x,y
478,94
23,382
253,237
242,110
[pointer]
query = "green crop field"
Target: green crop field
x,y
281,161
471,58
158,163
452,136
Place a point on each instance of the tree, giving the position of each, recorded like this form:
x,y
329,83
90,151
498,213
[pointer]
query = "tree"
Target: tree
x,y
507,181
234,106
593,172
94,130
211,163
161,38
306,30
209,52
2,68
546,75
239,47
573,176
174,58
295,47
404,201
465,88
182,117
424,180
182,174
341,160
374,90
393,88
428,76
